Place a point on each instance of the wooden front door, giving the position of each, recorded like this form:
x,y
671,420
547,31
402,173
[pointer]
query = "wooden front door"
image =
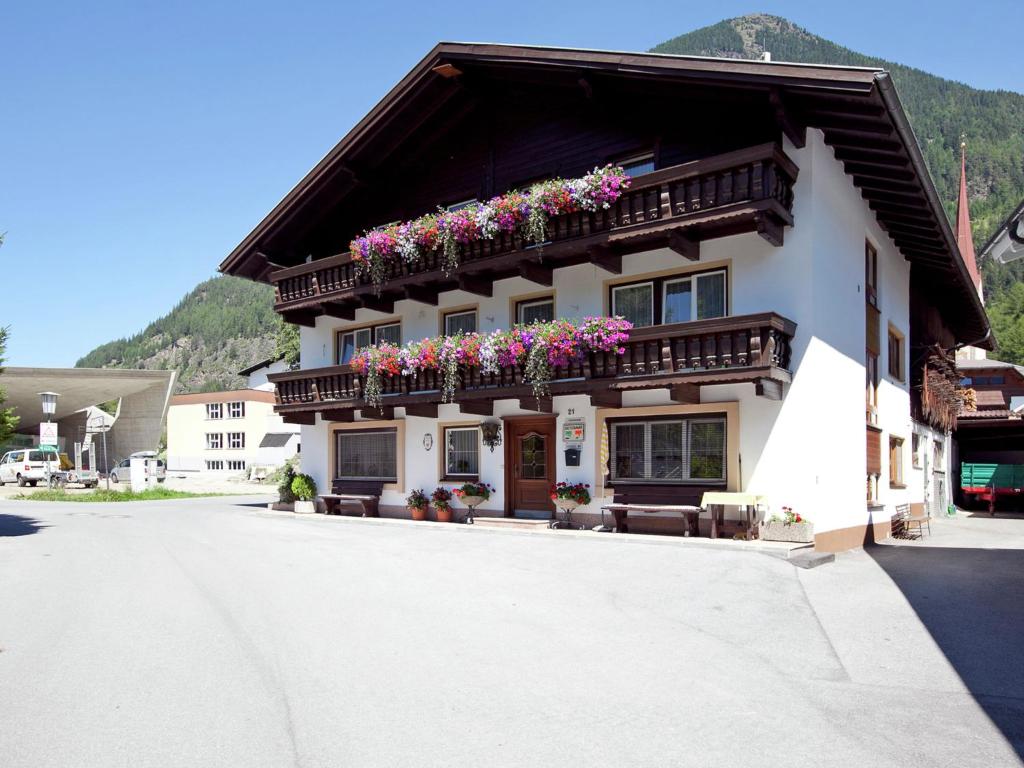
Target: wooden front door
x,y
531,457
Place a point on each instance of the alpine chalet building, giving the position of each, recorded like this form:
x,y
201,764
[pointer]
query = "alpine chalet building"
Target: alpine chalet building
x,y
790,292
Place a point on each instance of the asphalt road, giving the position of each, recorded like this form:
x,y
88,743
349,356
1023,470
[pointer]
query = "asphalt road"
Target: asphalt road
x,y
205,633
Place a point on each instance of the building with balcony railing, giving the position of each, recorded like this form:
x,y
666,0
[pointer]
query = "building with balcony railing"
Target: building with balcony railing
x,y
770,208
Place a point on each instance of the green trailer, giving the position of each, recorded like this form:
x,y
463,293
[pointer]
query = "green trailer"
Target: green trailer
x,y
988,482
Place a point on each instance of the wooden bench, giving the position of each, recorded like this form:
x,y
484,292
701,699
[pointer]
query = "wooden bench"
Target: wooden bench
x,y
908,515
656,501
365,493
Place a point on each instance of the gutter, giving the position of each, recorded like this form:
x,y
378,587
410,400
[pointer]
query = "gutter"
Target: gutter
x,y
887,90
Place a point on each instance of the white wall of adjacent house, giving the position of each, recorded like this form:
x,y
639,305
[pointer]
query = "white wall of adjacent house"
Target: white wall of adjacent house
x,y
204,441
806,451
258,378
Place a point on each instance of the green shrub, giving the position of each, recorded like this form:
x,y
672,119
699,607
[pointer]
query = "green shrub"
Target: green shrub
x,y
304,488
284,486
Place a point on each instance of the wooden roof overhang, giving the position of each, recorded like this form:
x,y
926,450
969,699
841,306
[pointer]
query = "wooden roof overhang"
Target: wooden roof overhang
x,y
857,109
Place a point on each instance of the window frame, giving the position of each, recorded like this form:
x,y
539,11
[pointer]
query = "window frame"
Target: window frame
x,y
458,312
659,287
685,418
916,442
870,273
219,439
372,328
447,473
340,433
214,407
233,437
895,364
527,301
460,204
239,465
635,159
214,465
897,478
241,409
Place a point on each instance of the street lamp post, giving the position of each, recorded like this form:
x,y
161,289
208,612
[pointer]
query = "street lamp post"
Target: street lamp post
x,y
49,400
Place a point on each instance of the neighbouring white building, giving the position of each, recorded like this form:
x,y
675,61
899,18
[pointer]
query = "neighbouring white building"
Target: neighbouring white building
x,y
235,432
795,289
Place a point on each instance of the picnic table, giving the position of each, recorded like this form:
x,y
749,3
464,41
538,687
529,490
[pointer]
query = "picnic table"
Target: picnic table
x,y
621,511
716,502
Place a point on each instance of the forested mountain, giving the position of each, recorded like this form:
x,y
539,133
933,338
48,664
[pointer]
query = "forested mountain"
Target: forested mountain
x,y
225,324
941,111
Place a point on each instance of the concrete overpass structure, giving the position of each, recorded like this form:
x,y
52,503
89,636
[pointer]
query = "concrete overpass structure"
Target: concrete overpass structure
x,y
143,400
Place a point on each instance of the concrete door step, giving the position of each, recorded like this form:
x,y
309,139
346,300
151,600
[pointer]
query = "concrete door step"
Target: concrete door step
x,y
510,522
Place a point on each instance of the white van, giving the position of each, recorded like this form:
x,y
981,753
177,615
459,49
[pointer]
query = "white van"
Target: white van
x,y
28,466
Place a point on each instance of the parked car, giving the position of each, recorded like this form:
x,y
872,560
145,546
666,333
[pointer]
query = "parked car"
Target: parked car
x,y
28,466
122,472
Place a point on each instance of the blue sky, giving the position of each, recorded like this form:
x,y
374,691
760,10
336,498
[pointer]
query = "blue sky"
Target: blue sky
x,y
140,141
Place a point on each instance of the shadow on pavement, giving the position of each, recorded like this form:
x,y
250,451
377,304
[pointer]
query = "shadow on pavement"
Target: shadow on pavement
x,y
16,525
972,603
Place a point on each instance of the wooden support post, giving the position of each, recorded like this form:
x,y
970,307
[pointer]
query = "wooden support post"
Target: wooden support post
x,y
477,285
606,398
378,304
303,417
603,257
425,410
537,273
786,121
422,294
685,393
306,317
477,407
342,311
339,414
685,245
771,229
384,413
768,388
542,405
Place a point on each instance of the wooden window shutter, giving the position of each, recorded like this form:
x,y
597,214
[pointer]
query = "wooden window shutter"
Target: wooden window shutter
x,y
874,451
874,332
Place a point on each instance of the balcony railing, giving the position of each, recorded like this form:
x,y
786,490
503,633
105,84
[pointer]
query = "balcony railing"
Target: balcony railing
x,y
742,191
729,349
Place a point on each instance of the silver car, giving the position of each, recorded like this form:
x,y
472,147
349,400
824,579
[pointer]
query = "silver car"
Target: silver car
x,y
123,471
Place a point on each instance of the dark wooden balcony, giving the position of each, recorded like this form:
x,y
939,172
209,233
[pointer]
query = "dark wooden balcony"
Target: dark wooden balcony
x,y
681,358
750,190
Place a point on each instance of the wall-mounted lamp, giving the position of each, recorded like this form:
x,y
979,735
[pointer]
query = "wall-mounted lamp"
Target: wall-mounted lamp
x,y
490,433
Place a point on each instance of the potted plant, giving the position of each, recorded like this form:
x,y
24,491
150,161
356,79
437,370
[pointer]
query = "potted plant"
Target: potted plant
x,y
304,488
473,494
791,526
442,499
417,503
570,496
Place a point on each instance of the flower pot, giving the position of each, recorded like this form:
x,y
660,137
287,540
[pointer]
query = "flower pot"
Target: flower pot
x,y
800,533
418,513
305,507
443,514
567,505
472,501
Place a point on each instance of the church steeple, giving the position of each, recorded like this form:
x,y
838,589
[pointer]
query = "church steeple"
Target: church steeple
x,y
964,237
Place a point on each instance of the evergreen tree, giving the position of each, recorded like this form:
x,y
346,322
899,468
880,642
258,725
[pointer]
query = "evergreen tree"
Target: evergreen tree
x,y
8,421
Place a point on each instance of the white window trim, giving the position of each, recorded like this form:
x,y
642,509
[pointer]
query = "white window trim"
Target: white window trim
x,y
521,305
241,409
631,286
692,280
209,411
447,469
220,440
241,440
461,313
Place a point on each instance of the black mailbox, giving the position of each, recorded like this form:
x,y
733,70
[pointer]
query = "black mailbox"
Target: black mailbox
x,y
572,457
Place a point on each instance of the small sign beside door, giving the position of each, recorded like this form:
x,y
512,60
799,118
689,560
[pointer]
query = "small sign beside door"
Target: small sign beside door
x,y
573,431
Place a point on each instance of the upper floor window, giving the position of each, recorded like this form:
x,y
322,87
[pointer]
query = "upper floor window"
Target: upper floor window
x,y
349,341
461,204
236,440
214,410
214,441
236,410
638,165
671,299
896,344
463,321
535,310
896,461
870,274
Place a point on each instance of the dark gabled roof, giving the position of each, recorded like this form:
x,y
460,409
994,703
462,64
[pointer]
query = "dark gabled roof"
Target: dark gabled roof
x,y
1014,226
256,366
276,439
856,108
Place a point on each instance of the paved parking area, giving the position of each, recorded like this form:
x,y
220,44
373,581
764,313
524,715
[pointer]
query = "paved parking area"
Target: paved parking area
x,y
204,632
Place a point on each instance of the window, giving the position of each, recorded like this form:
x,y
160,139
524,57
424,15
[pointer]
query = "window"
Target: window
x,y
896,462
214,441
939,456
214,411
535,310
236,465
366,454
461,204
668,450
460,322
671,299
638,165
916,441
236,440
870,274
461,451
871,384
966,381
214,466
350,341
895,354
236,410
